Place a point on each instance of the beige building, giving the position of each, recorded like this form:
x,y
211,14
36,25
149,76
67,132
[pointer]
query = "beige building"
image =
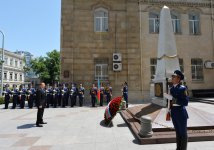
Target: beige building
x,y
93,31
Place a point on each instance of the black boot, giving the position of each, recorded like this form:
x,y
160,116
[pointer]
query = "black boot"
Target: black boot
x,y
178,142
184,141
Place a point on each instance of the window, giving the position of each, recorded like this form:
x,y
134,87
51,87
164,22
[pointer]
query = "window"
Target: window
x,y
153,22
15,77
153,65
11,76
194,27
20,77
176,24
11,61
20,63
16,63
5,75
5,60
181,63
197,69
101,71
101,20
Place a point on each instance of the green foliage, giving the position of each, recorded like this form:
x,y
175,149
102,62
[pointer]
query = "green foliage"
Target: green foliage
x,y
47,67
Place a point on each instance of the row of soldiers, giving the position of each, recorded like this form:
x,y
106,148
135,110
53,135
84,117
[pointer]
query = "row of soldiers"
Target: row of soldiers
x,y
55,96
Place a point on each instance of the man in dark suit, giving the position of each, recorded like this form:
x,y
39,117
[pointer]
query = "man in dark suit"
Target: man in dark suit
x,y
40,103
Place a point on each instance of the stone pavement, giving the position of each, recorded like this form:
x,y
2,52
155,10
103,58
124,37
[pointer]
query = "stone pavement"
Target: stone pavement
x,y
76,129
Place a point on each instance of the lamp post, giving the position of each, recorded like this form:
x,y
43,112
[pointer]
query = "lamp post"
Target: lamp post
x,y
2,63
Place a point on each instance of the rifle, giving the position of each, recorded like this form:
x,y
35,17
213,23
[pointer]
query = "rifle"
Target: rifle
x,y
169,102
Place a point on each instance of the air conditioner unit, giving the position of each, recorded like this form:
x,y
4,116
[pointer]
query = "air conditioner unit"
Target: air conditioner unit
x,y
117,66
209,65
117,57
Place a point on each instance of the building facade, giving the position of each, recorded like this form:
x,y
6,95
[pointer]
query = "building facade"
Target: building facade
x,y
93,31
30,75
13,69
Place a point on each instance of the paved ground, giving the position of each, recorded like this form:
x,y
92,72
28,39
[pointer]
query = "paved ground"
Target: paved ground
x,y
76,129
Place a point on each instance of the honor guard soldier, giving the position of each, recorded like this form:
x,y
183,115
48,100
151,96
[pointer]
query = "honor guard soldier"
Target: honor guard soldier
x,y
6,93
31,96
93,93
73,95
108,92
48,95
81,95
15,94
59,95
102,91
125,93
23,93
55,89
40,103
178,111
64,95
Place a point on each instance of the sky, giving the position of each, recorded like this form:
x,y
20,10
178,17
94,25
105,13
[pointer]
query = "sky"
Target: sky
x,y
30,25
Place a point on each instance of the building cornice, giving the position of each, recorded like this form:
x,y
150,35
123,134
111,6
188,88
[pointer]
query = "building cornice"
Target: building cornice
x,y
187,3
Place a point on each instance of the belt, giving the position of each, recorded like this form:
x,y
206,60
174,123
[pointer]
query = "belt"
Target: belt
x,y
176,105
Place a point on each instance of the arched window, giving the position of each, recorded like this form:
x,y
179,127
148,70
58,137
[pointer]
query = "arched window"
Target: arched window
x,y
154,21
194,23
101,20
176,22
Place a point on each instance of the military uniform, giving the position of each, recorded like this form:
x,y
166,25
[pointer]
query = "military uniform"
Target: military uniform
x,y
108,93
23,93
15,94
31,97
55,89
102,91
81,95
64,96
73,95
93,93
7,93
179,113
125,94
49,96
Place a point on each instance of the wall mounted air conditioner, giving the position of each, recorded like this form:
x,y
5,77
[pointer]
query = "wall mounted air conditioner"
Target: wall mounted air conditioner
x,y
117,66
117,57
209,64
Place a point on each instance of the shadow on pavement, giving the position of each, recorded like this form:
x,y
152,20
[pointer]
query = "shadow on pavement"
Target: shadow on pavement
x,y
26,126
102,123
122,125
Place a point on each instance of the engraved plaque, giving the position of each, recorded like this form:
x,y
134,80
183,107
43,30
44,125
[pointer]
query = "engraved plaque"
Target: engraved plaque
x,y
159,90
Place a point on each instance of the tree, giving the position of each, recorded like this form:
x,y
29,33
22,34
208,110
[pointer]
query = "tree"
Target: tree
x,y
47,67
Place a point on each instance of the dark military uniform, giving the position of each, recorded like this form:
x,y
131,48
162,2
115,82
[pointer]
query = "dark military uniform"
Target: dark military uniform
x,y
73,95
55,97
125,94
64,96
93,93
179,114
7,93
102,91
49,97
108,92
31,97
81,95
15,93
23,93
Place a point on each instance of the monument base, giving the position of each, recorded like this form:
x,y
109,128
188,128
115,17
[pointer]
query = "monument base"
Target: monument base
x,y
200,124
159,101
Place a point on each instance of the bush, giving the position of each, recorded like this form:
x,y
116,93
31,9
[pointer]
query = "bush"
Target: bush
x,y
1,100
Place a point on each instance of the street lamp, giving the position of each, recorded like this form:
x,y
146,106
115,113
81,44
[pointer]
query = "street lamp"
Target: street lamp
x,y
2,63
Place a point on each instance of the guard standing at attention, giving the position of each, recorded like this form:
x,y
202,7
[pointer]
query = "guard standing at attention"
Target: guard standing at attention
x,y
108,93
81,94
178,111
93,93
7,93
125,93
